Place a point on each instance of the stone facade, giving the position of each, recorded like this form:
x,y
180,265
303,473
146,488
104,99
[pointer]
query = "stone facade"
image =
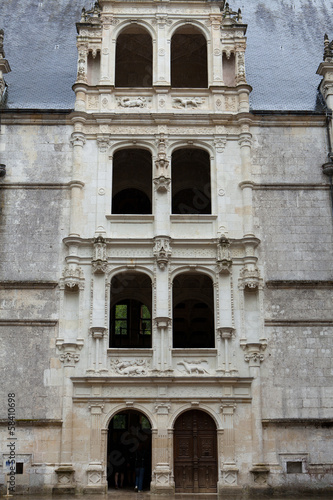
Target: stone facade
x,y
166,260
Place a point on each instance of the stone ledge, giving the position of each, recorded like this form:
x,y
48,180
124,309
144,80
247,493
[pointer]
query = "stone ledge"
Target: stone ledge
x,y
299,284
31,422
290,422
27,285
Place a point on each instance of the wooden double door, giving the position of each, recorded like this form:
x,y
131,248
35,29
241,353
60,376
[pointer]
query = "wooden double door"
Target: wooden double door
x,y
195,453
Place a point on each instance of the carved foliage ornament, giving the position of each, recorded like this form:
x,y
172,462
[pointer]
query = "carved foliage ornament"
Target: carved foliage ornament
x,y
72,278
69,358
250,277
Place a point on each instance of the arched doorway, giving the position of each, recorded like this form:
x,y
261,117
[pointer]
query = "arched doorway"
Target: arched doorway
x,y
195,453
129,446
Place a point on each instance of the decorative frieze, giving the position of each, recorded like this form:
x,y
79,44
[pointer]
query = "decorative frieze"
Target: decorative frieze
x,y
188,102
130,367
194,367
133,102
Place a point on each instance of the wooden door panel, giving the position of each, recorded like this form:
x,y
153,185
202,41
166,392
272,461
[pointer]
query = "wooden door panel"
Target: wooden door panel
x,y
184,478
195,453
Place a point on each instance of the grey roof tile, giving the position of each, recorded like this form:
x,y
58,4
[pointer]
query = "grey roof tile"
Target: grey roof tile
x,y
285,47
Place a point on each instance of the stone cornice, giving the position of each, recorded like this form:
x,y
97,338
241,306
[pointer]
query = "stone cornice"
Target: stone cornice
x,y
67,117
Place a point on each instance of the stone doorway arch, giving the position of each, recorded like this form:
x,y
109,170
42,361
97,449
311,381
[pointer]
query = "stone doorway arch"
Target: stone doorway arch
x,y
195,453
129,438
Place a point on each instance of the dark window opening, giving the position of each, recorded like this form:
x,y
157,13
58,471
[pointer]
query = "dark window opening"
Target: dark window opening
x,y
193,319
191,190
132,182
19,467
189,59
294,467
130,318
134,59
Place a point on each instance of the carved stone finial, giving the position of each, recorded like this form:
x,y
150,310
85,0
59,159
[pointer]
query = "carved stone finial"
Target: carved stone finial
x,y
328,49
2,52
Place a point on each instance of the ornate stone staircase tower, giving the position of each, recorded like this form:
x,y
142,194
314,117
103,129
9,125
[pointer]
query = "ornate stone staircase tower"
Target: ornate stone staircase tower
x,y
161,216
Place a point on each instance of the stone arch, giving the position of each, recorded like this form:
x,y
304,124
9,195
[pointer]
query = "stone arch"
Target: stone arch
x,y
189,57
131,310
193,311
187,407
132,194
195,452
191,181
129,445
134,56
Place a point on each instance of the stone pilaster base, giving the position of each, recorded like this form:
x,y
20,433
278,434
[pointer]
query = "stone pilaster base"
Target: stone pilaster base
x,y
96,483
162,482
65,481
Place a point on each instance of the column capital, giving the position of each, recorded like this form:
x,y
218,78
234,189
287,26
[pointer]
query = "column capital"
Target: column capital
x,y
226,332
162,322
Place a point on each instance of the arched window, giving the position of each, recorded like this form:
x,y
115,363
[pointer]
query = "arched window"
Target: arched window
x,y
191,192
134,58
132,182
193,311
189,59
130,318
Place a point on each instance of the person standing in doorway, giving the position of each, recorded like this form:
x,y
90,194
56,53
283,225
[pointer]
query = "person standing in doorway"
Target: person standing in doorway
x,y
139,468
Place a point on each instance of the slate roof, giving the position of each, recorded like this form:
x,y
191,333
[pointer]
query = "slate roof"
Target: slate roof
x,y
284,48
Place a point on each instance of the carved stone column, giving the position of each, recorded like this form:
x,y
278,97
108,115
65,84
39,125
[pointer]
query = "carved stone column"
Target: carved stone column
x,y
162,182
96,480
69,356
163,361
78,141
162,70
103,194
226,367
105,53
254,356
245,142
217,77
97,354
161,444
228,467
